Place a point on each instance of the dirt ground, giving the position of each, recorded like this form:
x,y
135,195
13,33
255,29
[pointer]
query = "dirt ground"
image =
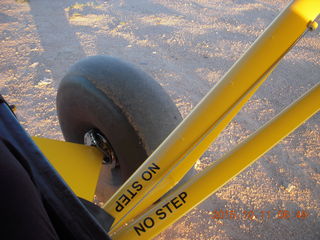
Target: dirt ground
x,y
186,45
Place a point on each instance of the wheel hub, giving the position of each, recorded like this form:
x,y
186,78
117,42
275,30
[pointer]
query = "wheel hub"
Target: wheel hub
x,y
95,138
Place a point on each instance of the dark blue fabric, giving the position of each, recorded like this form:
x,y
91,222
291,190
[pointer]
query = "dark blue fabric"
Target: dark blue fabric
x,y
22,213
68,215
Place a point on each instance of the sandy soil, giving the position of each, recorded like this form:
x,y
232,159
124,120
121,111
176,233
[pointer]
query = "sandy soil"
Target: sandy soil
x,y
186,46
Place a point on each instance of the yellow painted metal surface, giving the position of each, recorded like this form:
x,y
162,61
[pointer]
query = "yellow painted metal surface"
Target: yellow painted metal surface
x,y
79,165
176,155
215,176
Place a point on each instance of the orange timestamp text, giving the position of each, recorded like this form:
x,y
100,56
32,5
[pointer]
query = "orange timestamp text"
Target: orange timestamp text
x,y
255,215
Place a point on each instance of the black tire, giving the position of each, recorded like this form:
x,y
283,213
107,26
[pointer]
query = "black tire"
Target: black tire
x,y
131,109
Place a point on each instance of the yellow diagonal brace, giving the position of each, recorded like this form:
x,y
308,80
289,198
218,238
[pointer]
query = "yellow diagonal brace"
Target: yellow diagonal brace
x,y
196,190
79,165
193,154
192,137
